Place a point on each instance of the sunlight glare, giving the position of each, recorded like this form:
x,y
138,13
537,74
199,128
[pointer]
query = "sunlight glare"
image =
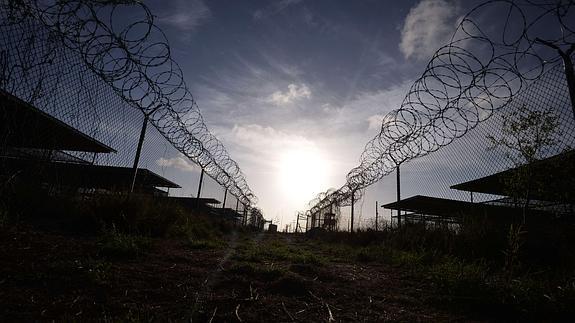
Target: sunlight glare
x,y
302,174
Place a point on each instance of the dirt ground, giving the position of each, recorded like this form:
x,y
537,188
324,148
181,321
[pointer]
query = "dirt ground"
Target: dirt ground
x,y
54,276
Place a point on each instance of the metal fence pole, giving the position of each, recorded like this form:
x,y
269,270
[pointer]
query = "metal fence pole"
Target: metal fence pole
x,y
376,215
398,180
138,152
200,189
352,203
568,65
225,196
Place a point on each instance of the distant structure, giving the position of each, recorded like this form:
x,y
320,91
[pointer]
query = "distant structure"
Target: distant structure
x,y
273,228
552,193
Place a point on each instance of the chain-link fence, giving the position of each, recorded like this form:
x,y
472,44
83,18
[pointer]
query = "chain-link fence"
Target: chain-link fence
x,y
86,82
439,137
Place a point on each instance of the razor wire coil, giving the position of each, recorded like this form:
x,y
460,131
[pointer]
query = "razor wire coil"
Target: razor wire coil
x,y
465,82
132,56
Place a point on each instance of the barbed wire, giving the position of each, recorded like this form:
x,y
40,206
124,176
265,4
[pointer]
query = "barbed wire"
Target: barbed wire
x,y
478,72
133,57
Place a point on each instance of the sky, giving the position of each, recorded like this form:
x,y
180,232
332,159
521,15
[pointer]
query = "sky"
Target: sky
x,y
293,88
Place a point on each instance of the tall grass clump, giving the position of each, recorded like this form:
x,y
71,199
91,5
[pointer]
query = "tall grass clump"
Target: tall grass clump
x,y
116,244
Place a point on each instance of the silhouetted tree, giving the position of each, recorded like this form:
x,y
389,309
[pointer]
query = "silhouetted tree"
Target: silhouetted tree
x,y
527,137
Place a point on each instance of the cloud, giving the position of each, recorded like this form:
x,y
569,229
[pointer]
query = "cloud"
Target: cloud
x,y
186,15
267,140
374,121
274,8
295,92
428,26
176,162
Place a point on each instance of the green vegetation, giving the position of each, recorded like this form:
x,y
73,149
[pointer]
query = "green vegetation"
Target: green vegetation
x,y
479,268
476,271
116,244
278,250
125,224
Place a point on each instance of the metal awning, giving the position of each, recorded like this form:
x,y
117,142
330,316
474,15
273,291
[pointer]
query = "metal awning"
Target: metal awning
x,y
190,202
83,175
25,126
551,179
434,206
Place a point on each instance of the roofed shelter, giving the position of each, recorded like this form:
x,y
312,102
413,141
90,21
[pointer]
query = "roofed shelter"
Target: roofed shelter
x,y
433,209
86,176
34,145
551,179
190,203
26,126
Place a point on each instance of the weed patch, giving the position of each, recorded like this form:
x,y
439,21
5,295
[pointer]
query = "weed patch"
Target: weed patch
x,y
206,244
115,244
456,277
277,251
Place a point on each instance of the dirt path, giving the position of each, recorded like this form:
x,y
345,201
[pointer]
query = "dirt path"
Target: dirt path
x,y
45,276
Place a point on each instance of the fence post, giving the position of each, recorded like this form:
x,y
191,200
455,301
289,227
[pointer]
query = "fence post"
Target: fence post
x,y
138,152
225,196
398,180
352,203
245,214
376,215
200,189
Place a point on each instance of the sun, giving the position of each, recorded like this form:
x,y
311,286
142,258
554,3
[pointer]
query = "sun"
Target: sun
x,y
302,174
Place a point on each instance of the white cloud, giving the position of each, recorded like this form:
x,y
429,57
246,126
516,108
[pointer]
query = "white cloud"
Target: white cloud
x,y
428,26
176,162
267,140
295,92
374,121
186,15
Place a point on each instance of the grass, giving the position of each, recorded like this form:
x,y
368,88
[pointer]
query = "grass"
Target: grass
x,y
474,268
469,269
206,244
453,276
116,244
278,251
